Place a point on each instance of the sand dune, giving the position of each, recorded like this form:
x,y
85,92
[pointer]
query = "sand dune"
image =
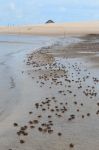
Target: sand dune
x,y
54,29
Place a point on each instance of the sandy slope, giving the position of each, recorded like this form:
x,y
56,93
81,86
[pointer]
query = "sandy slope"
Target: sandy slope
x,y
54,29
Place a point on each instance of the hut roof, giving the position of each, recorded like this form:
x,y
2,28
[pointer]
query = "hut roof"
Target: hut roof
x,y
50,21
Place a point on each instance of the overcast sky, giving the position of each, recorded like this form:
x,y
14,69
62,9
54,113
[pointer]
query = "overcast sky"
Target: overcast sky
x,y
38,11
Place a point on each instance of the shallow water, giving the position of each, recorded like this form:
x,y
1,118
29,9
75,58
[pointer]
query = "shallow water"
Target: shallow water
x,y
13,50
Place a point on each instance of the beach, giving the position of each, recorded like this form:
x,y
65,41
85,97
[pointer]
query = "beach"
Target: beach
x,y
49,87
54,29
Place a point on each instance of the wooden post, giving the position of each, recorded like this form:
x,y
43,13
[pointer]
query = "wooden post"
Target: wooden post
x,y
64,33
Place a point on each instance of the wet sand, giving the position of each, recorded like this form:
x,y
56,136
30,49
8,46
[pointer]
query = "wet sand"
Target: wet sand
x,y
58,100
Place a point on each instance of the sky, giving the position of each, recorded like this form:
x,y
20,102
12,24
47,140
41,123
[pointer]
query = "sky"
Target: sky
x,y
23,12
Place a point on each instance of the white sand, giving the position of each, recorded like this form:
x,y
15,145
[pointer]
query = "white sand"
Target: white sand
x,y
54,29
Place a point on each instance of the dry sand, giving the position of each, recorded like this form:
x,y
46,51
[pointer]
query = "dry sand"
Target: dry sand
x,y
54,29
